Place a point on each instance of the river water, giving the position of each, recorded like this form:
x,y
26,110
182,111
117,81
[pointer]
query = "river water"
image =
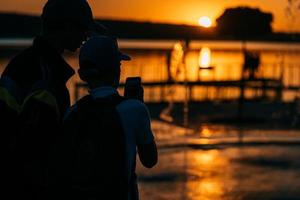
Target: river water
x,y
219,166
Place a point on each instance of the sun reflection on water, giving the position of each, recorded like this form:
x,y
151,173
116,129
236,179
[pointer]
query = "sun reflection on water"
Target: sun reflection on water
x,y
205,190
206,165
205,132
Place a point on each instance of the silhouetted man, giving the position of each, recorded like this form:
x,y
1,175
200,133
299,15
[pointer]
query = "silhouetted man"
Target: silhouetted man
x,y
104,129
41,74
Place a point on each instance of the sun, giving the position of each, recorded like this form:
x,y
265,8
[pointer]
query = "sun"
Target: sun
x,y
205,21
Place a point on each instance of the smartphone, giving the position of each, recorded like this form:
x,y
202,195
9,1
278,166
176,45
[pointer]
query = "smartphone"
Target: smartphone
x,y
134,89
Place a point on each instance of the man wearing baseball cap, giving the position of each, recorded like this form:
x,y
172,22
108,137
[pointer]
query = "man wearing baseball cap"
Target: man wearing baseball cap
x,y
71,21
41,73
65,25
106,128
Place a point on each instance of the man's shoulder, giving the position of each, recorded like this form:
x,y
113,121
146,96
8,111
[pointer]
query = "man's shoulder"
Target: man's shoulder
x,y
24,58
26,55
131,106
74,108
127,106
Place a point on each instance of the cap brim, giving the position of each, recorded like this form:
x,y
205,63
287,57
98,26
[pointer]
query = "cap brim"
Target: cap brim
x,y
124,57
97,28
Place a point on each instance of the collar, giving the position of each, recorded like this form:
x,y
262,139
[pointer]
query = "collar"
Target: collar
x,y
60,69
102,92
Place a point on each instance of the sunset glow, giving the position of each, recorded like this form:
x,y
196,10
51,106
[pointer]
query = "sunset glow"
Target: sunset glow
x,y
176,11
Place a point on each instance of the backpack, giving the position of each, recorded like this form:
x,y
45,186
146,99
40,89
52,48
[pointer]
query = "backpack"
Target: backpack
x,y
93,151
22,111
25,137
9,111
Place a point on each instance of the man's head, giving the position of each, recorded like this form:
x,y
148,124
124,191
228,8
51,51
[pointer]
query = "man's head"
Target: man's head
x,y
100,61
69,21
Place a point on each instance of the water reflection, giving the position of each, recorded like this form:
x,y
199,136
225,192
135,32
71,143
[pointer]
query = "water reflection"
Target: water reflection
x,y
205,190
234,173
205,165
205,131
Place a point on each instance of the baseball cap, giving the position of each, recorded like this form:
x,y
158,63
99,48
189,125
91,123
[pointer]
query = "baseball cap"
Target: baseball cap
x,y
101,50
71,11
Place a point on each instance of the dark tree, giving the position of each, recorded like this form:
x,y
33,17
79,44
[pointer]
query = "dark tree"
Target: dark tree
x,y
244,22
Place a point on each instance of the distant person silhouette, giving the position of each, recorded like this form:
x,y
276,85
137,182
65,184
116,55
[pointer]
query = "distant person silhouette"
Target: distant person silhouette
x,y
103,129
251,64
41,73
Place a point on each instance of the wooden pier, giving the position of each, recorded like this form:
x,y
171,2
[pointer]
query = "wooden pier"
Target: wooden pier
x,y
259,84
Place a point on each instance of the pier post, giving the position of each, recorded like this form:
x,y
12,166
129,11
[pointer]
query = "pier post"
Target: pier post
x,y
168,65
241,99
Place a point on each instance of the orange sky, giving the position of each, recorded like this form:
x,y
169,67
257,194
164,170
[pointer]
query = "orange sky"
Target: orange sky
x,y
174,11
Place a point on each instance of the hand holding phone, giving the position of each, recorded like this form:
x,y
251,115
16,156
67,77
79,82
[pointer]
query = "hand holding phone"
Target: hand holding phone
x,y
134,89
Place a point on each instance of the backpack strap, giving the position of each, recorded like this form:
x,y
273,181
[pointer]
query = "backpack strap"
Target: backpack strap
x,y
9,94
112,100
42,93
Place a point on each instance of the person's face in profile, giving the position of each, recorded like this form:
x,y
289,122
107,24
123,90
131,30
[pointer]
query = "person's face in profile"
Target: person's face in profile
x,y
74,36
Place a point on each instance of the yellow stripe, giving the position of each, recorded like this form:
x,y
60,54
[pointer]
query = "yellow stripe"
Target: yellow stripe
x,y
40,95
9,99
45,97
